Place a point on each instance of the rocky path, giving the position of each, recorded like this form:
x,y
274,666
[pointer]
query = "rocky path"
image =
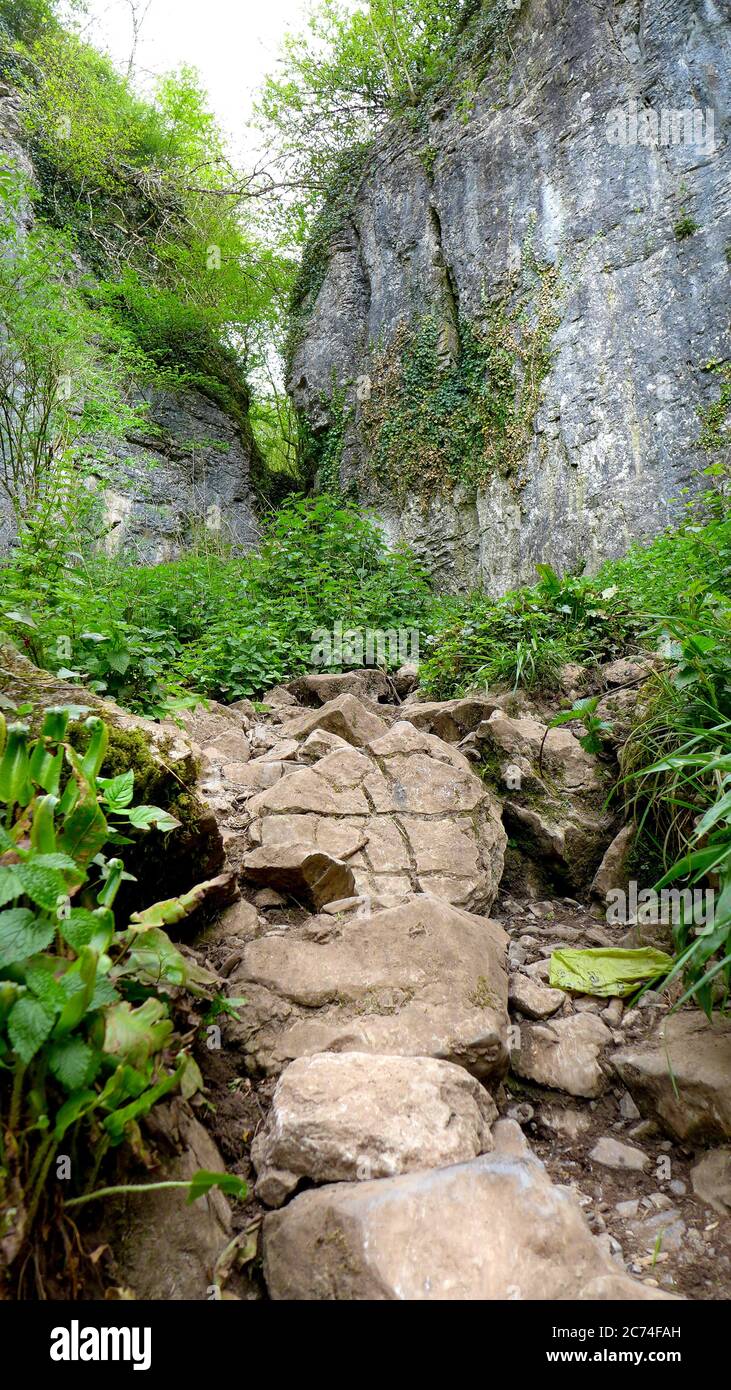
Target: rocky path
x,y
425,1118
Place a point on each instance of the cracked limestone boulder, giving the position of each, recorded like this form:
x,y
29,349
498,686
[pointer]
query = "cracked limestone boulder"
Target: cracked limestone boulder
x,y
424,979
406,812
494,1228
450,720
347,1116
554,807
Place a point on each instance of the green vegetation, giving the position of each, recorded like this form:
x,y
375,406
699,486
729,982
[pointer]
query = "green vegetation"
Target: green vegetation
x,y
714,417
88,1042
434,417
686,226
677,767
177,275
525,637
222,626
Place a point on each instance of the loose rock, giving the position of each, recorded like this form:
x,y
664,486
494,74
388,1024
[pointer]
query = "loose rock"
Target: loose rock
x,y
342,1116
613,1154
563,1054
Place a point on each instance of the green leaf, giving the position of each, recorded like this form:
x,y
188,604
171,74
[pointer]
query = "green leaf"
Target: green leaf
x,y
116,1124
23,935
22,616
10,886
42,983
79,983
134,1035
79,928
118,791
72,1062
202,1182
42,885
142,817
191,1080
172,910
154,960
72,1110
84,832
29,1024
54,861
104,994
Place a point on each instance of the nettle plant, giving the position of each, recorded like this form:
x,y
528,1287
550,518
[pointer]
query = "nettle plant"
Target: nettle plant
x,y
87,1040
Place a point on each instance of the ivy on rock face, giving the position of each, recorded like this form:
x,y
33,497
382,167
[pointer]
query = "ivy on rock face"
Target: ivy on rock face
x,y
436,416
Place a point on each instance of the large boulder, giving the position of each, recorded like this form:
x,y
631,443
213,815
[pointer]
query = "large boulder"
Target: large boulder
x,y
682,1076
342,1116
491,1229
407,812
422,979
450,720
554,801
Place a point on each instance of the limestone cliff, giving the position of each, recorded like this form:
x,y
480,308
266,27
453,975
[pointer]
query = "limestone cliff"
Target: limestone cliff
x,y
521,321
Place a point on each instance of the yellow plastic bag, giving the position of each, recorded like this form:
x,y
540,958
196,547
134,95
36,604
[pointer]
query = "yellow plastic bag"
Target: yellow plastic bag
x,y
607,970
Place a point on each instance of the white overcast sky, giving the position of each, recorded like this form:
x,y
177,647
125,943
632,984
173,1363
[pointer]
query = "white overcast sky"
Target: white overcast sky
x,y
232,43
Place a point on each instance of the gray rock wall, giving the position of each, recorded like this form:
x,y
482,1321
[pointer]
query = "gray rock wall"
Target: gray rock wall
x,y
532,170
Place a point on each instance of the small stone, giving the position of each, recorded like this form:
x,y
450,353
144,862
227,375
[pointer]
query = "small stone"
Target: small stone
x,y
532,999
517,954
627,1209
302,870
565,1122
344,905
677,1187
627,1108
612,1015
613,1154
644,1130
522,1114
266,897
540,970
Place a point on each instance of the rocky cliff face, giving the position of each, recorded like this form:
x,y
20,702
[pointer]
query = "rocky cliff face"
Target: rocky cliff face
x,y
522,325
190,470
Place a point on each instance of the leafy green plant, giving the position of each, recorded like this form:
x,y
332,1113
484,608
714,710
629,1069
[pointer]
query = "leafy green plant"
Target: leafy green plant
x,y
222,626
585,712
87,1040
677,784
